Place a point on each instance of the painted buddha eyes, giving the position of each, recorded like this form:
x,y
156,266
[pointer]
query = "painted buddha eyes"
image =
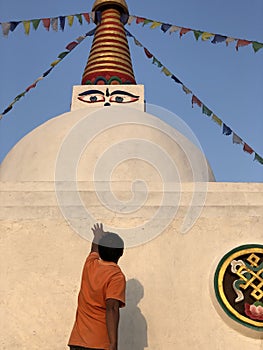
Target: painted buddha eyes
x,y
117,96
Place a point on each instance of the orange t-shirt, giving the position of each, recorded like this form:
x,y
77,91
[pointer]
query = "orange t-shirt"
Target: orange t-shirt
x,y
101,280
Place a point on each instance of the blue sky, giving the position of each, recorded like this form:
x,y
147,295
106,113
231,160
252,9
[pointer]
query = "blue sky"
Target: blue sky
x,y
230,83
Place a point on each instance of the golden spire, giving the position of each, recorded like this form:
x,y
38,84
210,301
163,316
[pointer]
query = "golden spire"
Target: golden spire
x,y
109,61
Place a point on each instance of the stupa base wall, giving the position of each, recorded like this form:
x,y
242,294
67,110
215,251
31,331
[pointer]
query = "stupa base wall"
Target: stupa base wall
x,y
171,302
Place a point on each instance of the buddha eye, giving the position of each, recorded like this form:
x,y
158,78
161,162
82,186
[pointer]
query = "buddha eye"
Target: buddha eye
x,y
123,98
91,97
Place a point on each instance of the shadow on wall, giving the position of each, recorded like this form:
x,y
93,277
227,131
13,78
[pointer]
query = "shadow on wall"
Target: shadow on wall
x,y
133,326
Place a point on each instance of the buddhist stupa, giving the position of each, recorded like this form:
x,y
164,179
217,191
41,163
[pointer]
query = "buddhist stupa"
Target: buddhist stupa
x,y
109,160
108,81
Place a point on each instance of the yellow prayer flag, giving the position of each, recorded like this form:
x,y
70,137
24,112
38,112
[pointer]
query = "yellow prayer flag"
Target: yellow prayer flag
x,y
217,120
206,36
155,25
166,72
26,26
53,64
70,20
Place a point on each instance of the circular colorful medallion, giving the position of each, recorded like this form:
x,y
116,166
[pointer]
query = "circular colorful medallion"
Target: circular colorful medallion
x,y
238,285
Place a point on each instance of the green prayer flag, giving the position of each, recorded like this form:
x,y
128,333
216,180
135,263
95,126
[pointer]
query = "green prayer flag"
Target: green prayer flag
x,y
63,54
197,33
146,21
79,17
158,63
257,46
206,110
35,23
258,158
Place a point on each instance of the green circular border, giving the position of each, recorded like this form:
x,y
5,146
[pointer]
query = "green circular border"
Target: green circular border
x,y
216,283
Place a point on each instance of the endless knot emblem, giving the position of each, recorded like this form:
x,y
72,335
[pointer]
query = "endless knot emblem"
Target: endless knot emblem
x,y
250,276
239,285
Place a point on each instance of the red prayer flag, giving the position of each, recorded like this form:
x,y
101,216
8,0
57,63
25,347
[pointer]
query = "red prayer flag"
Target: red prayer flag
x,y
147,53
196,100
184,31
46,23
247,148
71,45
139,20
31,87
242,43
87,17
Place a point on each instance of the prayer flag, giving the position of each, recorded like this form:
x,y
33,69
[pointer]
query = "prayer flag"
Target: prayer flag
x,y
46,23
148,54
247,148
196,100
237,139
186,90
5,28
176,79
63,54
197,34
131,18
166,72
218,39
54,24
155,25
31,87
165,27
87,17
62,22
205,36
124,18
26,26
71,45
158,63
80,38
229,40
70,20
7,109
257,46
226,130
137,42
47,72
242,43
53,64
146,21
174,29
35,23
139,20
13,25
258,158
217,120
98,16
206,111
184,31
79,17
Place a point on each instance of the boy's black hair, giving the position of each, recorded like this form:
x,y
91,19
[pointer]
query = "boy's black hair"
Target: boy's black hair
x,y
110,247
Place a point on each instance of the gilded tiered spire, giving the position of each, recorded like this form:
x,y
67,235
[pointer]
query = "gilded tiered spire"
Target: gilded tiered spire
x,y
109,60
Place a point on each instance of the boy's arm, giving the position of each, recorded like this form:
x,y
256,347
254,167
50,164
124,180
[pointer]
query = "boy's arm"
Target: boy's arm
x,y
112,321
98,232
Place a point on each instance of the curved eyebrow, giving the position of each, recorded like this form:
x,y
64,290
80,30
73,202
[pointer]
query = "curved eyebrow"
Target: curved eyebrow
x,y
90,92
121,92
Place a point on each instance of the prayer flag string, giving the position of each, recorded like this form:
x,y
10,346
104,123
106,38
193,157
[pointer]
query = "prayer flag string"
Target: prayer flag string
x,y
226,130
54,23
214,38
60,57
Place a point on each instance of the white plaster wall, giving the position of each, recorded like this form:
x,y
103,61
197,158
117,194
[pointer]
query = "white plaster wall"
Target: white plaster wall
x,y
170,301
